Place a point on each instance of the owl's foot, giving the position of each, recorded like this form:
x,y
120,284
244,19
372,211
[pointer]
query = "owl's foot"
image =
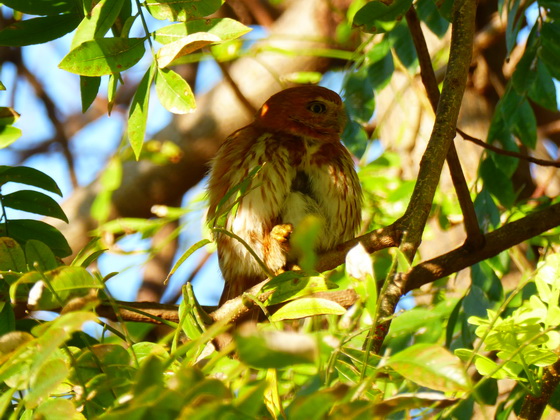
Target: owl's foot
x,y
281,233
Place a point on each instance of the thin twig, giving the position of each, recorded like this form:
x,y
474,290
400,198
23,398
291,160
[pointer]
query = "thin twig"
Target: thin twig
x,y
541,162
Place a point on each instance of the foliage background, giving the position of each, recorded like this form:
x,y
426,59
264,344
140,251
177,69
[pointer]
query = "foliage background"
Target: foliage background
x,y
497,315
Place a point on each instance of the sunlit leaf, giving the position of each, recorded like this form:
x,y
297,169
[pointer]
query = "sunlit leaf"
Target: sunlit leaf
x,y
66,282
431,366
39,256
292,284
8,134
187,254
304,307
274,349
8,115
174,92
224,28
11,256
58,408
138,114
103,56
97,22
184,46
45,380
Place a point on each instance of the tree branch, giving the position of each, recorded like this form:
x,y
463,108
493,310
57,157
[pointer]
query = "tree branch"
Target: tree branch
x,y
475,237
426,272
414,220
533,407
416,215
497,241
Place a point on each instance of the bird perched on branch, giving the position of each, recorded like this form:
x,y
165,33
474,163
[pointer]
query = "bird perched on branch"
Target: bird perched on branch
x,y
267,177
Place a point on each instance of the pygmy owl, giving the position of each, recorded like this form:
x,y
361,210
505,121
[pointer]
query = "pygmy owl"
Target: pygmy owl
x,y
267,177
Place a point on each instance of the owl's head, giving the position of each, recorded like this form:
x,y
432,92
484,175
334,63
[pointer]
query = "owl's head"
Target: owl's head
x,y
310,111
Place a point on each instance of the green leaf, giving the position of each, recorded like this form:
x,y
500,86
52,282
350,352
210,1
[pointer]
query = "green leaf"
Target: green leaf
x,y
401,40
7,322
186,255
28,176
150,374
429,13
514,24
89,86
8,134
274,349
42,7
525,125
305,307
112,91
488,367
525,71
124,20
302,77
8,115
34,202
181,10
501,131
552,7
39,256
359,97
293,284
177,49
484,277
138,114
6,401
224,28
38,30
67,282
23,230
550,47
57,408
11,256
45,380
174,92
375,15
498,183
103,56
88,253
543,91
431,366
549,272
98,22
476,302
380,66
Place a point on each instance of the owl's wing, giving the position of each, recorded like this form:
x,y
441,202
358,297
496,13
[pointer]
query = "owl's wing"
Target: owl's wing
x,y
249,181
335,183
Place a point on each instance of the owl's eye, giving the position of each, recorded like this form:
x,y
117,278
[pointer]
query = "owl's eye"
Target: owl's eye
x,y
317,107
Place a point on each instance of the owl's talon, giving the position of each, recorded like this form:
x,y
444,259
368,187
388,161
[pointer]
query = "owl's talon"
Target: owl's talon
x,y
282,233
